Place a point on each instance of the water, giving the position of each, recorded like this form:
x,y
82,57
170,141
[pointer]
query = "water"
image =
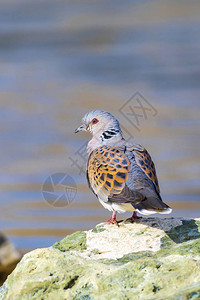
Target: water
x,y
59,60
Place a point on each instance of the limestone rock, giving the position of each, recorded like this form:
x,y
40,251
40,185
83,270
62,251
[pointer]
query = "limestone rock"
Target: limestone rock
x,y
9,257
150,259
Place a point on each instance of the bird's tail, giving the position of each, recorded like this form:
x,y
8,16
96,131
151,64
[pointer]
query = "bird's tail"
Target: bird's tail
x,y
152,205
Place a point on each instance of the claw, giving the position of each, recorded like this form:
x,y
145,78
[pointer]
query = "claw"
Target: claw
x,y
113,220
134,217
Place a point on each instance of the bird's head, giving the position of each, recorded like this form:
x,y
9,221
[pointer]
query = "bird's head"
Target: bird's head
x,y
101,124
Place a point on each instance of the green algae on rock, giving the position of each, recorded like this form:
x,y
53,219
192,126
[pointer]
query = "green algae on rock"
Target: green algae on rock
x,y
98,228
96,265
74,241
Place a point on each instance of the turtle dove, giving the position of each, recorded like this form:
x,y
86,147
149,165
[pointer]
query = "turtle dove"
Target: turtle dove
x,y
122,175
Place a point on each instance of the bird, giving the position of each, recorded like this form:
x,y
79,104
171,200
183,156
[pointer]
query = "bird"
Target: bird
x,y
121,174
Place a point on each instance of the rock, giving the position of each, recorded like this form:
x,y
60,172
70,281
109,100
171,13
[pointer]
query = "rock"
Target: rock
x,y
9,257
150,259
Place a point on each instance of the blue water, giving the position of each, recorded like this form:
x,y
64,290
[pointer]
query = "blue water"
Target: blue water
x,y
59,60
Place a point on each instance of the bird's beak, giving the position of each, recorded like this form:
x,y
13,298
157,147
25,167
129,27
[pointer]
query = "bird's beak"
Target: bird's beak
x,y
81,128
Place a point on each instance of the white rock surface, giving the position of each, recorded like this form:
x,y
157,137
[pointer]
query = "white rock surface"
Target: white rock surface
x,y
114,242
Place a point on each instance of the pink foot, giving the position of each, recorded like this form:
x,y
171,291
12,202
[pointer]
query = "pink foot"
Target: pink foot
x,y
134,217
113,220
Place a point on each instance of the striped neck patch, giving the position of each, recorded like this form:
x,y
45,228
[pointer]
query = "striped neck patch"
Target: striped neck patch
x,y
108,134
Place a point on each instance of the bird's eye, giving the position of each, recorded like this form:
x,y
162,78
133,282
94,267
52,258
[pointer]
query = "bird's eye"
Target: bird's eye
x,y
94,121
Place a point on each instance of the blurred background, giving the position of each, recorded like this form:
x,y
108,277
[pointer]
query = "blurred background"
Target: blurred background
x,y
61,59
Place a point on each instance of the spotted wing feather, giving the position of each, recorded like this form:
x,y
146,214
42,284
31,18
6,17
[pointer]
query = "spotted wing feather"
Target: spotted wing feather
x,y
107,171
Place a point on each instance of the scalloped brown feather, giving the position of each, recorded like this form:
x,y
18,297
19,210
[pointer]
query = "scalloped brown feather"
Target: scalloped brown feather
x,y
144,161
107,171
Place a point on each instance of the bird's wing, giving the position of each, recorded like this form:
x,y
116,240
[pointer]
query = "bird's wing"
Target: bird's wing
x,y
144,161
107,173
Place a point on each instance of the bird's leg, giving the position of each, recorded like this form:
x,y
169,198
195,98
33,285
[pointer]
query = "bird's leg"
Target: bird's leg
x,y
113,218
134,217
